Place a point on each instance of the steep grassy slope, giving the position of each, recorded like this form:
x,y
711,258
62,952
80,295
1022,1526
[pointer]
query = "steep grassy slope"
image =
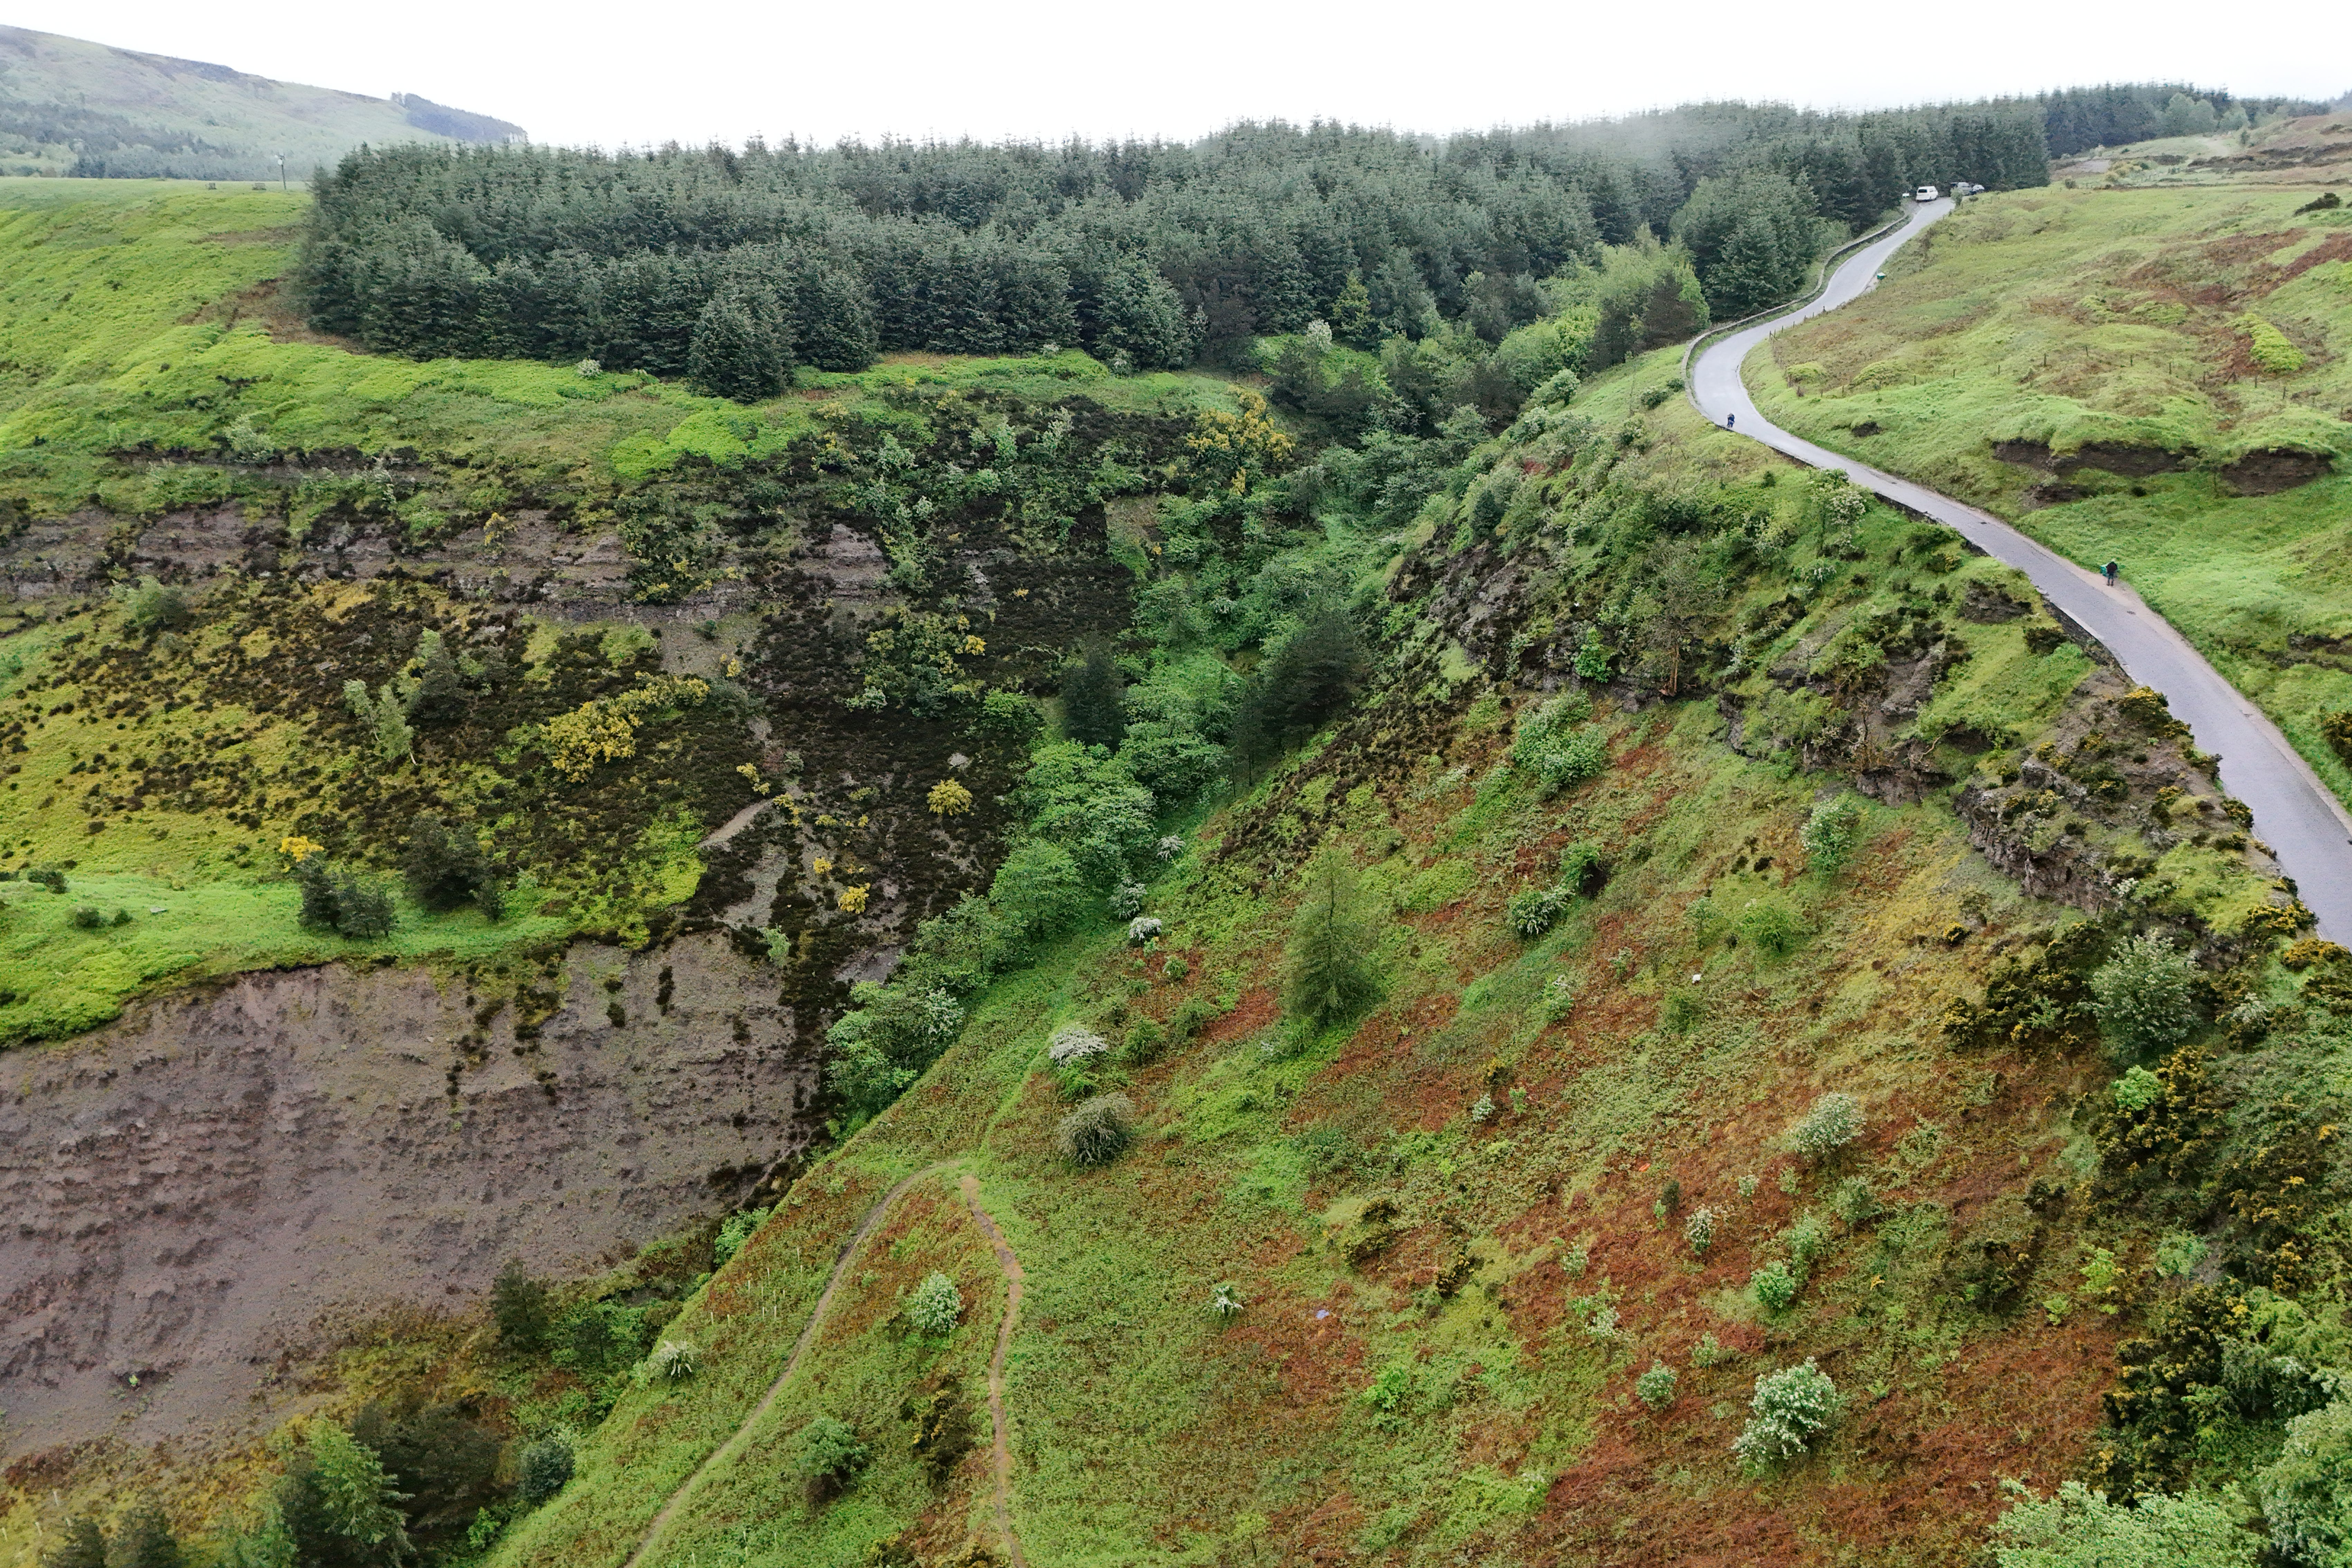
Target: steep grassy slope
x,y
1460,1223
67,105
2157,377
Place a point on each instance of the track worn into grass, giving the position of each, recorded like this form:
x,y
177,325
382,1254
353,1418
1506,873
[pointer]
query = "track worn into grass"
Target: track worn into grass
x,y
1002,1448
743,1434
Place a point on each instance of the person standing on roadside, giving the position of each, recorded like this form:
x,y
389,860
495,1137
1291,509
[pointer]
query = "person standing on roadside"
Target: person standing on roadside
x,y
2109,571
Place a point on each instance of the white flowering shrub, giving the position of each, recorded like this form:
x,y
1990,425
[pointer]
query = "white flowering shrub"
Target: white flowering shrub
x,y
1699,1230
1835,1121
1791,1408
1074,1043
935,1306
1142,929
673,1360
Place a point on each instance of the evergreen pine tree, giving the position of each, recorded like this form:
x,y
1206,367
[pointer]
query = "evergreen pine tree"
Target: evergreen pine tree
x,y
82,1546
1352,314
145,1542
836,321
1328,973
1094,698
743,346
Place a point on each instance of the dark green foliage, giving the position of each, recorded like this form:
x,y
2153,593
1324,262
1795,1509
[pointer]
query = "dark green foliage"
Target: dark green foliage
x,y
1753,236
2152,1421
1093,698
340,1506
154,607
742,346
1009,718
439,697
1301,686
519,1309
87,919
47,876
1144,255
446,867
1329,971
445,1461
828,1455
82,1545
145,1541
1097,1132
343,902
544,1469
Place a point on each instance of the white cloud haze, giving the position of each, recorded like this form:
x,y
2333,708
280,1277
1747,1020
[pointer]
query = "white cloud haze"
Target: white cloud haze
x,y
611,73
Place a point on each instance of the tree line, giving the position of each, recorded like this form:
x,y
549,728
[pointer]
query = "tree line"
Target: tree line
x,y
1146,254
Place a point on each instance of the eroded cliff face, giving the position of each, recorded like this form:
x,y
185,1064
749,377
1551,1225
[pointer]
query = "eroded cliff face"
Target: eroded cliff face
x,y
216,1186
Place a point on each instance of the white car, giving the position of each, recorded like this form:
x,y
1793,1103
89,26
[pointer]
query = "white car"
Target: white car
x,y
1925,194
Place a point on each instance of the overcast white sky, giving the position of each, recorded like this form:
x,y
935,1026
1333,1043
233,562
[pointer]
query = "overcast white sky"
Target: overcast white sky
x,y
596,71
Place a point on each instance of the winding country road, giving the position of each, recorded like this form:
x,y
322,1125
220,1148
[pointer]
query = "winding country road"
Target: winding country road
x,y
2294,814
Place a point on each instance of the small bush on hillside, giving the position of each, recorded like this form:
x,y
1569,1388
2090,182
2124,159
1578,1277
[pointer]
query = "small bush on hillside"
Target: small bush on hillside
x,y
1855,1201
1073,1043
1146,1040
86,917
1835,1121
1558,999
1771,927
544,1467
1557,748
733,1232
1807,1240
2336,730
344,904
1656,1386
1829,835
386,718
673,1360
828,1455
935,1306
2142,998
2078,1528
1699,1230
445,866
1775,1288
1532,911
1791,1408
1583,869
153,606
1097,1132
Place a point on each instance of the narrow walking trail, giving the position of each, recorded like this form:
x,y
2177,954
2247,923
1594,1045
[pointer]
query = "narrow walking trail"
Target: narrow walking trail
x,y
2305,826
1010,1266
743,1434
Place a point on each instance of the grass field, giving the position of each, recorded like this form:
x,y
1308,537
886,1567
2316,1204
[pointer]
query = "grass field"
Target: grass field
x,y
2110,332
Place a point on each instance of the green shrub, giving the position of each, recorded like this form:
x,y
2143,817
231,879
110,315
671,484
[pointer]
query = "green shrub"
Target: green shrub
x,y
1791,1409
828,1454
1557,748
348,905
2306,1494
1558,999
154,607
1771,927
446,867
1656,1386
1807,1238
935,1306
1009,717
1147,1040
1855,1201
1583,867
1097,1132
733,1232
544,1467
1835,1121
86,917
1699,1230
2336,728
2141,996
1775,1288
1532,911
2079,1528
386,718
1829,835
1092,696
673,1360
2270,348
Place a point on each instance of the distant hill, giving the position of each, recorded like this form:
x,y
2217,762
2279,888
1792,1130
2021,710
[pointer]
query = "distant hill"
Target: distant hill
x,y
71,107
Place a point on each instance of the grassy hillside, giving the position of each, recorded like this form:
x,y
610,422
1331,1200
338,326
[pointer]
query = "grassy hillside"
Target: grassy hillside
x,y
71,107
2159,377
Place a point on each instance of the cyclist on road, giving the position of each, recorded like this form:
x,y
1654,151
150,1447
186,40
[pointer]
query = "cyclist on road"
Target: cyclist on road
x,y
2109,571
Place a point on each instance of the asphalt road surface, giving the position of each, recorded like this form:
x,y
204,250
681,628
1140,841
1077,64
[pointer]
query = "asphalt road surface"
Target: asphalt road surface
x,y
2305,825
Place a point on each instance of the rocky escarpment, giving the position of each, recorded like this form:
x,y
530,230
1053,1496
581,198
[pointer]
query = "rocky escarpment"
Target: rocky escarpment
x,y
221,1184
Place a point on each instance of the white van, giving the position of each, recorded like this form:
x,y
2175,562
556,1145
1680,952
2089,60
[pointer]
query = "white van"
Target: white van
x,y
1926,193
